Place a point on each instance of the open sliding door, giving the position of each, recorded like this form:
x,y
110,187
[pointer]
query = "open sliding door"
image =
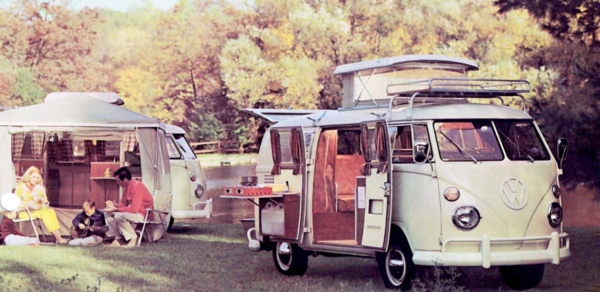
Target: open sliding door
x,y
289,168
374,189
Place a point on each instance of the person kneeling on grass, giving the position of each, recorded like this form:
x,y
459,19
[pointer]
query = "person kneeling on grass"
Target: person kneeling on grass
x,y
89,226
8,230
121,218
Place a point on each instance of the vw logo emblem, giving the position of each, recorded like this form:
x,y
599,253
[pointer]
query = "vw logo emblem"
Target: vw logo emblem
x,y
514,194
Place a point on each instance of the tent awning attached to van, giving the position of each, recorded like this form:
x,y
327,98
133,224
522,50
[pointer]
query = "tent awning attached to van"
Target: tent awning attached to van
x,y
109,97
75,111
277,115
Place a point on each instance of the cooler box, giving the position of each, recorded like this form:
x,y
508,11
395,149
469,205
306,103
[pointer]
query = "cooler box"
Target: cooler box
x,y
272,219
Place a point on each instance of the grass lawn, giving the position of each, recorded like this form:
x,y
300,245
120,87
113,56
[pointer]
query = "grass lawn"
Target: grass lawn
x,y
214,257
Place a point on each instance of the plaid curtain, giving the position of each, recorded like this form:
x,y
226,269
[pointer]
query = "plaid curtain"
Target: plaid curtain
x,y
90,152
364,145
100,150
52,151
17,146
130,141
66,150
276,152
382,148
296,147
37,144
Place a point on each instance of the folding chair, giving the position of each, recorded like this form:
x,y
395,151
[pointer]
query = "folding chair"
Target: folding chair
x,y
161,219
31,220
157,220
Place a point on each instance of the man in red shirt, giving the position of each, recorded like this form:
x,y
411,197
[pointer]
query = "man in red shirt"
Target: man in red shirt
x,y
121,217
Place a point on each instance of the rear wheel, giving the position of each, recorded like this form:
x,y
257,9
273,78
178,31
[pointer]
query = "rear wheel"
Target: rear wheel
x,y
396,266
522,277
290,259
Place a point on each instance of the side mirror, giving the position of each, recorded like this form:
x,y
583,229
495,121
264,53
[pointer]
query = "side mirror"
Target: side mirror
x,y
421,152
561,150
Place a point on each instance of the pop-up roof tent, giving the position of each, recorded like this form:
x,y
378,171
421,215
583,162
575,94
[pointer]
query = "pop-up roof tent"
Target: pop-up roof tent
x,y
80,117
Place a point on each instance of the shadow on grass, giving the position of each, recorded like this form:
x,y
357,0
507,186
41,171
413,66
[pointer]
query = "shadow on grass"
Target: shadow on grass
x,y
17,276
215,257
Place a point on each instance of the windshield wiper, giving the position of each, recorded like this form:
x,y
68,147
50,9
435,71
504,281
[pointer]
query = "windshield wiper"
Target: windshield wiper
x,y
462,151
517,146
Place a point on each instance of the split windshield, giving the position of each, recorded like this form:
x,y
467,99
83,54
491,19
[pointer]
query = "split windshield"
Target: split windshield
x,y
476,141
521,141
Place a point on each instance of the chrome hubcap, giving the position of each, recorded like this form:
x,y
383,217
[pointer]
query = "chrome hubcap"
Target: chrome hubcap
x,y
396,268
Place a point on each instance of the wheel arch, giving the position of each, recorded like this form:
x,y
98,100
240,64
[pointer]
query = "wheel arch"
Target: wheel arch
x,y
397,233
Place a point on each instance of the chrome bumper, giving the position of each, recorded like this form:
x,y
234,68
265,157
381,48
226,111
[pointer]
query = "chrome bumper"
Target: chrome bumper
x,y
553,254
205,212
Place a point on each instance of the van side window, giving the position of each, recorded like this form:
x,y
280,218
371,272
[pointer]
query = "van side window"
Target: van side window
x,y
281,150
403,144
286,149
348,142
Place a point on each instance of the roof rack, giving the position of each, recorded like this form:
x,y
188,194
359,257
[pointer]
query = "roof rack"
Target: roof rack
x,y
437,88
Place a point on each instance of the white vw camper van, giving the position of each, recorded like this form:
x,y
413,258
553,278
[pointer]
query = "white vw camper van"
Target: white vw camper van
x,y
190,200
420,166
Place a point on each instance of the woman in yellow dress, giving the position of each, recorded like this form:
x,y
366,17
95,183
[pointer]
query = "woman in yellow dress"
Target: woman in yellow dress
x,y
33,195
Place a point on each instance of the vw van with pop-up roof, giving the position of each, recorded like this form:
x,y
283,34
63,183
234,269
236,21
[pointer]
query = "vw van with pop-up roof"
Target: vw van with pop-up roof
x,y
421,166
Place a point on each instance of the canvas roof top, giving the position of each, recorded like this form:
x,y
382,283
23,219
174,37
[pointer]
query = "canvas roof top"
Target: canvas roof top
x,y
78,110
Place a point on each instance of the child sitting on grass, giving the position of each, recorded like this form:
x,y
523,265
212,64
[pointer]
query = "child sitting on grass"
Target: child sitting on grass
x,y
8,230
10,233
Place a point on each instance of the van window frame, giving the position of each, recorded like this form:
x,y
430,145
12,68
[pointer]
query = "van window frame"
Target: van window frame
x,y
288,164
176,137
393,130
171,140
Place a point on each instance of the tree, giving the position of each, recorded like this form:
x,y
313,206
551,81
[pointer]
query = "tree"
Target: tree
x,y
571,109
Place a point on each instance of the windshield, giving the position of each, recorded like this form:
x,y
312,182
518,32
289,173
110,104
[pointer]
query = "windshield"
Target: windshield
x,y
467,141
521,140
185,146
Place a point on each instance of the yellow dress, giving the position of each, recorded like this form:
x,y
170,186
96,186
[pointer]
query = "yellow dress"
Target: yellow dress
x,y
38,195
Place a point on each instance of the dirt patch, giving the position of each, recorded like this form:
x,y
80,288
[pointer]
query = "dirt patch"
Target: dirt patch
x,y
581,208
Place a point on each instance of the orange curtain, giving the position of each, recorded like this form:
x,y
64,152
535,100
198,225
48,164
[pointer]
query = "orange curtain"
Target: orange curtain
x,y
382,148
296,146
276,152
364,145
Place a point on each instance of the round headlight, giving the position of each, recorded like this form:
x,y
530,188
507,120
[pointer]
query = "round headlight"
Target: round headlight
x,y
556,191
199,191
555,214
466,217
192,177
451,194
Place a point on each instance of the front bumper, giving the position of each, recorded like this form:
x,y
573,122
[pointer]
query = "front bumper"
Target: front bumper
x,y
195,213
553,254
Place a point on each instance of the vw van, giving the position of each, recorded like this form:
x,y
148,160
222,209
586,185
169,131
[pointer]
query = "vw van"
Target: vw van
x,y
189,200
421,166
188,181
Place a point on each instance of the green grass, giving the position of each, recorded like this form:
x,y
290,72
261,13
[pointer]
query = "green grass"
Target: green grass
x,y
214,257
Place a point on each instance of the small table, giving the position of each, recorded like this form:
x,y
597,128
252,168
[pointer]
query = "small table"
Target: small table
x,y
251,198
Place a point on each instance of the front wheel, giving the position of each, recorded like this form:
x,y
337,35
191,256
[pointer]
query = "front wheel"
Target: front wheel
x,y
522,277
290,259
396,266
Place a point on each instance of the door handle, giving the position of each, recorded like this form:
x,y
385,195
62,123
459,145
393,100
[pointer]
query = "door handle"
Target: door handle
x,y
386,189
